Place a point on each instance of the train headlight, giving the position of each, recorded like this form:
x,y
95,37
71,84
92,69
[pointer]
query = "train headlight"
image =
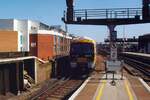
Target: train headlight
x,y
73,64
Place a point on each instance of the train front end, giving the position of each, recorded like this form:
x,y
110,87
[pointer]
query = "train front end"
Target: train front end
x,y
82,56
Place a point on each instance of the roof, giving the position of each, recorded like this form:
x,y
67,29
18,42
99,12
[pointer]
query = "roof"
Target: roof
x,y
84,40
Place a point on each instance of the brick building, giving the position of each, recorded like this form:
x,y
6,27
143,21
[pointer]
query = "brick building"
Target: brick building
x,y
36,38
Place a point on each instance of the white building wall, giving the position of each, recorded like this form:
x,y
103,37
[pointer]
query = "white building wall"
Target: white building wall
x,y
26,27
22,27
33,26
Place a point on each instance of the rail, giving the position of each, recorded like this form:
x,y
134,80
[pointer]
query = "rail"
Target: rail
x,y
59,90
142,67
42,92
138,61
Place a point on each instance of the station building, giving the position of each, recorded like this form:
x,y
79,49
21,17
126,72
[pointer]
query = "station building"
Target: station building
x,y
47,44
36,38
123,44
42,43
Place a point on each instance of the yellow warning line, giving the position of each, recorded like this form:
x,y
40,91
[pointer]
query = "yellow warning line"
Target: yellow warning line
x,y
101,90
128,90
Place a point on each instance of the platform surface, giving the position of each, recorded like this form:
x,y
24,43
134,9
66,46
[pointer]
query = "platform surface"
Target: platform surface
x,y
98,88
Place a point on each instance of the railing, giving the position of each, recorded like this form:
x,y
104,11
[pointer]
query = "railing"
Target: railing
x,y
115,13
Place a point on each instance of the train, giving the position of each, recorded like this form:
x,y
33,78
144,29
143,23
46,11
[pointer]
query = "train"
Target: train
x,y
82,55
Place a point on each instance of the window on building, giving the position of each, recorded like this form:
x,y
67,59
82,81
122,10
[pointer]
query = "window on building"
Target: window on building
x,y
33,44
55,38
58,40
61,39
55,48
21,39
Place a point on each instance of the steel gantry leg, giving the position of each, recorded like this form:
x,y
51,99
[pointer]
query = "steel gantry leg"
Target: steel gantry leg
x,y
112,38
113,50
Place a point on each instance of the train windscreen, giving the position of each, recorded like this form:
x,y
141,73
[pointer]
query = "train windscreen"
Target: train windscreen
x,y
82,49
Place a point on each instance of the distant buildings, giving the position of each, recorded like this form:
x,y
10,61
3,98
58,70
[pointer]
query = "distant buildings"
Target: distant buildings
x,y
144,43
128,44
37,38
21,38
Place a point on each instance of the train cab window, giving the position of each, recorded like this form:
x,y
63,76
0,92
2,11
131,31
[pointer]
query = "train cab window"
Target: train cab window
x,y
82,49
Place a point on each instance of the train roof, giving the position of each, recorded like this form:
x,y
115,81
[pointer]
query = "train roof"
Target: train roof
x,y
84,40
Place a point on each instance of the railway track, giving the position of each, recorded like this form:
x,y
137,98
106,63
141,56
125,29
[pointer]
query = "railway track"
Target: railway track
x,y
143,69
60,90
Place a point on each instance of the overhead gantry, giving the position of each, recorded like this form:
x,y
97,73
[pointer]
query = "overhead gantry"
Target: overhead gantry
x,y
114,16
111,18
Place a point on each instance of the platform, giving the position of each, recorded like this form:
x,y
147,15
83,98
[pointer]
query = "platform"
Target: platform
x,y
98,88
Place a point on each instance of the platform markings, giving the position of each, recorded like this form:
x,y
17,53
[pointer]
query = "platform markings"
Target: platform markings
x,y
128,90
79,90
145,84
99,90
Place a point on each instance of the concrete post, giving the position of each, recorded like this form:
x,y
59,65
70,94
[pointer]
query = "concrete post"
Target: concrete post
x,y
17,78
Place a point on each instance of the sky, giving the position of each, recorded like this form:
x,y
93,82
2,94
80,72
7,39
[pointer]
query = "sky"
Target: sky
x,y
51,11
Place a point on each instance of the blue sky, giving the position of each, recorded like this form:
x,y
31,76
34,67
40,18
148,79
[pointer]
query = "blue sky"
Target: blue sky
x,y
51,11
